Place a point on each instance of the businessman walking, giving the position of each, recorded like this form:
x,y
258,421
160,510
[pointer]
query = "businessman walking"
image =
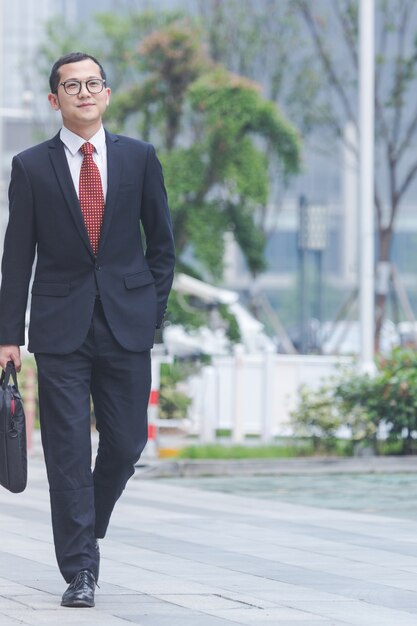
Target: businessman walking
x,y
81,202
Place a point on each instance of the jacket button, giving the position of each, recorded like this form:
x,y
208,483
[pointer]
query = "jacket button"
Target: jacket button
x,y
98,267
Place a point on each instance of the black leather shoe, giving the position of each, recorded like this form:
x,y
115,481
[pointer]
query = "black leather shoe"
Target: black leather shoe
x,y
80,592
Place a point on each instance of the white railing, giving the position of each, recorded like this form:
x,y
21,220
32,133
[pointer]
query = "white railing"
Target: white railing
x,y
254,394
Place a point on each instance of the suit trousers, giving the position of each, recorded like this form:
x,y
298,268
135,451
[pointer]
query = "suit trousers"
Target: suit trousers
x,y
118,382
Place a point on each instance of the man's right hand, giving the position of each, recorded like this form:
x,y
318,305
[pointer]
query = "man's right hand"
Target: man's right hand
x,y
10,353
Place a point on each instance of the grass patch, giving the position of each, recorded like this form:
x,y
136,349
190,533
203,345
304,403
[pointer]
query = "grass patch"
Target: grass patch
x,y
283,450
391,448
215,451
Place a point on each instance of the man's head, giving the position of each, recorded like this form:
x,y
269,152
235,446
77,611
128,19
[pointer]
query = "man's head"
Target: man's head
x,y
72,57
79,92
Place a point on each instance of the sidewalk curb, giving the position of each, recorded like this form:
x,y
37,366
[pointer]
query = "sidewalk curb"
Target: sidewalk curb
x,y
255,467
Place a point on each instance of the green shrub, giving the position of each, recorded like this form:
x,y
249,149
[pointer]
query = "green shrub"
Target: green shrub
x,y
173,402
362,403
317,417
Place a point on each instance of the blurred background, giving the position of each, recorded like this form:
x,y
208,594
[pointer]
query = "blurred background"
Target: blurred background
x,y
253,108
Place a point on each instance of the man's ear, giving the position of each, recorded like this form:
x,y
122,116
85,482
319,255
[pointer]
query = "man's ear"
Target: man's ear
x,y
53,101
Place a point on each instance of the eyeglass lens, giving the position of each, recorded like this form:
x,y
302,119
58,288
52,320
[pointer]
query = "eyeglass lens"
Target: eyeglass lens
x,y
73,87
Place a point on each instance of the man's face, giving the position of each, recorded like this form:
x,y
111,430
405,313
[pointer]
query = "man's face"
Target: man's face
x,y
81,112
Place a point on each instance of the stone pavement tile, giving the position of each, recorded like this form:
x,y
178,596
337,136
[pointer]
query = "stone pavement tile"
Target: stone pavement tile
x,y
390,598
189,619
63,617
319,622
23,511
135,578
115,603
36,601
8,620
313,561
30,549
359,569
181,575
164,613
19,569
302,597
284,595
174,610
244,588
378,557
11,590
265,593
315,540
351,536
150,514
283,572
310,532
357,613
9,603
269,617
238,506
247,598
117,589
52,583
317,579
205,602
157,607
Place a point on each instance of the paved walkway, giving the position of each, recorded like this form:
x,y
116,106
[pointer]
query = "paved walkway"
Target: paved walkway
x,y
177,556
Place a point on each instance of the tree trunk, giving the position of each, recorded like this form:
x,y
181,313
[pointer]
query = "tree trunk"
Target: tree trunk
x,y
408,443
385,240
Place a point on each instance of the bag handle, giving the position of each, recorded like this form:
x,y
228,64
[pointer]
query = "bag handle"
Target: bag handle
x,y
5,376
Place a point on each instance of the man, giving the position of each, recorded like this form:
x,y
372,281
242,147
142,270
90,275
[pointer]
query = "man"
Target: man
x,y
81,201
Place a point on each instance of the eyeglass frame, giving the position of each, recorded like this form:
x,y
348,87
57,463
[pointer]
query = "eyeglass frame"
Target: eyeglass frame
x,y
80,82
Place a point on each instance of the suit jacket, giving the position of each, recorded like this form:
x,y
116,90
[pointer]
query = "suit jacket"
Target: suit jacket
x,y
132,277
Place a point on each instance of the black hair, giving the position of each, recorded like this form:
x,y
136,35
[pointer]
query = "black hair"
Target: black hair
x,y
71,57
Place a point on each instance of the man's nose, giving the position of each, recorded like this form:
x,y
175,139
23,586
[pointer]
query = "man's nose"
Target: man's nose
x,y
84,91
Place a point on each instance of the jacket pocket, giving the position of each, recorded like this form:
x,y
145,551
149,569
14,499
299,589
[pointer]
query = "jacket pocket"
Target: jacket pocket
x,y
50,289
139,280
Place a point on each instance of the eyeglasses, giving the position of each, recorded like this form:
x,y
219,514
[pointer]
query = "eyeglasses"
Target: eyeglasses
x,y
73,87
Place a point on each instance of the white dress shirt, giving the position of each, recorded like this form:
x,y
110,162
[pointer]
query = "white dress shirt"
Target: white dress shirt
x,y
72,144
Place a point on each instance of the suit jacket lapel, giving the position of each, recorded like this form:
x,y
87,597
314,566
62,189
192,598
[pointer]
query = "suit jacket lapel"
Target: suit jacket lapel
x,y
63,174
114,168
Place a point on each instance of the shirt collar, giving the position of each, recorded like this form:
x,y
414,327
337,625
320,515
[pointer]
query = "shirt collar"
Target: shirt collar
x,y
74,142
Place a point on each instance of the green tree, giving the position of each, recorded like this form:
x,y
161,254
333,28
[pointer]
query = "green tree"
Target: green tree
x,y
205,120
264,41
307,55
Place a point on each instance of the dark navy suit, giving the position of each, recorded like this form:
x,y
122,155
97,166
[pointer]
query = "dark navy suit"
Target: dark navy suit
x,y
92,324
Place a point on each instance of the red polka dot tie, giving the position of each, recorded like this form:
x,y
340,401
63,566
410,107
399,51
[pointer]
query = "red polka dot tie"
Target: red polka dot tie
x,y
91,195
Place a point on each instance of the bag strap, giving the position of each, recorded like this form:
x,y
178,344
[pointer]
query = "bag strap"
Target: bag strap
x,y
5,376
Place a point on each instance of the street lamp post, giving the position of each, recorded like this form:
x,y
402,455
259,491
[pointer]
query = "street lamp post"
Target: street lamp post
x,y
366,182
311,241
